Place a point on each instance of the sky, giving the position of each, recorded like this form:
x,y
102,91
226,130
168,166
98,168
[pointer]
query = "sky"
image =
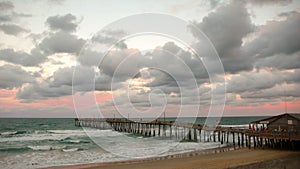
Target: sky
x,y
68,58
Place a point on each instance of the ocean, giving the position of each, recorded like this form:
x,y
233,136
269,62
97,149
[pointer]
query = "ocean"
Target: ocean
x,y
37,143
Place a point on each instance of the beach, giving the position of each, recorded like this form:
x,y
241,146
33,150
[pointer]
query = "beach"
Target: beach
x,y
234,159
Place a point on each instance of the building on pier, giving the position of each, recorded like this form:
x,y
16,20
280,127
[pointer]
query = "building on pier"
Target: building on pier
x,y
287,122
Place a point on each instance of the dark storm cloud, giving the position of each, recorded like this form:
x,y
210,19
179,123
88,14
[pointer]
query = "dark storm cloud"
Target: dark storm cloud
x,y
226,28
22,58
14,77
66,23
12,29
61,42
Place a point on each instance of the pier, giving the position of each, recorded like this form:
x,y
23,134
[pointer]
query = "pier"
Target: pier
x,y
237,137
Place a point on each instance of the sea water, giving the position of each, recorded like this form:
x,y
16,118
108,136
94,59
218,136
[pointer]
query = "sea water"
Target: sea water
x,y
36,143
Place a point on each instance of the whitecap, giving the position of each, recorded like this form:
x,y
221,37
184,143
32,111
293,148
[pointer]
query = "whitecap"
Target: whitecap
x,y
74,141
70,150
40,148
57,147
7,133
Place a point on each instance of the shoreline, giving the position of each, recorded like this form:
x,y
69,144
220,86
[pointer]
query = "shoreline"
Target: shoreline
x,y
149,159
226,157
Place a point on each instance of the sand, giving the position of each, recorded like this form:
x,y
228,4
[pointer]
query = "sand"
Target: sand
x,y
235,159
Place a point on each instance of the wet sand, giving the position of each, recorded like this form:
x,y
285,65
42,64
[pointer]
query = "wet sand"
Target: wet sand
x,y
235,159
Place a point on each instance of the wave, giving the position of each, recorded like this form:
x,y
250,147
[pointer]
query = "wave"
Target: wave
x,y
41,148
75,141
39,135
34,137
7,133
10,133
70,150
65,131
46,148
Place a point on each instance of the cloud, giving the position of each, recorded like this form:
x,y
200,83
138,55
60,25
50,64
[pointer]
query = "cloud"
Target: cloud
x,y
268,2
82,82
122,64
61,42
14,77
22,58
66,23
110,37
20,15
12,29
6,5
256,65
56,2
7,15
275,44
226,28
89,57
256,81
213,3
125,64
276,93
277,37
42,91
128,63
59,84
280,61
5,18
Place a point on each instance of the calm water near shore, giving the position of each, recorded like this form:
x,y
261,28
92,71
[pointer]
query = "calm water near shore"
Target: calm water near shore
x,y
35,143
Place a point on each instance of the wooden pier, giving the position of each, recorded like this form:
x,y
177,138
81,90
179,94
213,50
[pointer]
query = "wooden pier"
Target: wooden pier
x,y
237,137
